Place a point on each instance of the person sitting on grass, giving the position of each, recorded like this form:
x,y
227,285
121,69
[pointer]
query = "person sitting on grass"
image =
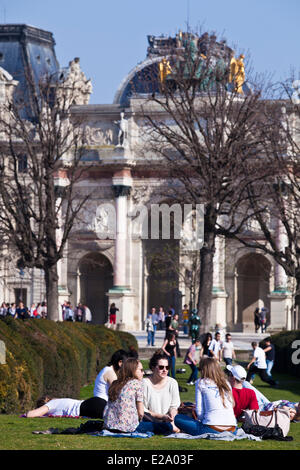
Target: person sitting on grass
x,y
125,410
263,403
244,398
107,375
214,403
67,407
161,396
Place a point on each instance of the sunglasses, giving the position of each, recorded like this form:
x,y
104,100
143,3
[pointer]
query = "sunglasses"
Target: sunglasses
x,y
163,367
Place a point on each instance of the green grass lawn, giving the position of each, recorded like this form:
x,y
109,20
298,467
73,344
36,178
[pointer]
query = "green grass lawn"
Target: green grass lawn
x,y
16,432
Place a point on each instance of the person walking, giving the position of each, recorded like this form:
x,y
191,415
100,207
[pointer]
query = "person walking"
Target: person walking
x,y
263,319
185,318
174,327
151,326
269,351
168,319
194,324
161,317
215,347
205,352
256,320
192,358
87,314
169,348
113,316
258,365
228,352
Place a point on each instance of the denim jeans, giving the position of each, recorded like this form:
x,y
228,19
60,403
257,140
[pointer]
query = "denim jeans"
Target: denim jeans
x,y
262,374
269,367
185,326
151,336
188,425
172,362
228,361
156,428
194,375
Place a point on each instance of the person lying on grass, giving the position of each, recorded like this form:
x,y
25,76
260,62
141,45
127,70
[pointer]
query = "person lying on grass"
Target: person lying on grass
x,y
67,407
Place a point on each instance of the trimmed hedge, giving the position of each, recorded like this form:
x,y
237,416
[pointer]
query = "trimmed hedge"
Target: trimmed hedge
x,y
45,357
287,352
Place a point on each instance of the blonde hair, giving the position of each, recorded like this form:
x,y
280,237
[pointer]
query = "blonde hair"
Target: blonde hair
x,y
210,369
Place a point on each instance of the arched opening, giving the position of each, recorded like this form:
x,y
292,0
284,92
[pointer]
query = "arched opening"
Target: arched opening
x,y
96,278
253,286
163,274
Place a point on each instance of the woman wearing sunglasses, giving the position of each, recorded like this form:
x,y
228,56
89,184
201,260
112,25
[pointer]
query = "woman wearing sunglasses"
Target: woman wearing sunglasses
x,y
161,395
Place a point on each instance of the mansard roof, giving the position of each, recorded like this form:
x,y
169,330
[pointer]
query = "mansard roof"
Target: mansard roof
x,y
27,48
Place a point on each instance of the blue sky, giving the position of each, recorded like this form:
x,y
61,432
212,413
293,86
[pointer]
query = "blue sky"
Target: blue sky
x,y
110,36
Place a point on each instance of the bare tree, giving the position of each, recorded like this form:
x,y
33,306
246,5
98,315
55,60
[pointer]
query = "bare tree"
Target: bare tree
x,y
200,126
275,204
40,161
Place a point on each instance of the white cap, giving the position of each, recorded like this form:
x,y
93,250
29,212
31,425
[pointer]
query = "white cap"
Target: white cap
x,y
238,372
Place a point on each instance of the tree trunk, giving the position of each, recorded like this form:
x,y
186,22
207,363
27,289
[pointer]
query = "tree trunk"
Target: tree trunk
x,y
206,279
51,280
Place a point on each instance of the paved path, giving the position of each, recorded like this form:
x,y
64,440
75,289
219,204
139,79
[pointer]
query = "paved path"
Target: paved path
x,y
241,341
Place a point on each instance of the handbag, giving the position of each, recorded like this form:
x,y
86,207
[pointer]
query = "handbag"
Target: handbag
x,y
269,419
265,433
187,408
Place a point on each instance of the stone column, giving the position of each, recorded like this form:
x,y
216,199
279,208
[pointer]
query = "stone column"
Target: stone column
x,y
61,182
280,277
121,192
219,296
121,293
281,297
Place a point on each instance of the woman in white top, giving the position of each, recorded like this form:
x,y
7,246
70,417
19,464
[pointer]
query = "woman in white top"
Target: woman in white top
x,y
161,396
67,407
107,375
214,403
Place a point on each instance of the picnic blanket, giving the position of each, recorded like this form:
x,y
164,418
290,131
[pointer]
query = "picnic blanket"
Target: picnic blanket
x,y
103,433
222,436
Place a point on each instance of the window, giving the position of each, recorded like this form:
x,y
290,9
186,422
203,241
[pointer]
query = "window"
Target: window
x,y
22,163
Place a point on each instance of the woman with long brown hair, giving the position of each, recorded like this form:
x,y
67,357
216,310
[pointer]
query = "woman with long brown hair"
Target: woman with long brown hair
x,y
214,403
124,409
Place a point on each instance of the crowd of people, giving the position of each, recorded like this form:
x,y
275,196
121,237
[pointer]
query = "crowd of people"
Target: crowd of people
x,y
128,402
80,313
21,311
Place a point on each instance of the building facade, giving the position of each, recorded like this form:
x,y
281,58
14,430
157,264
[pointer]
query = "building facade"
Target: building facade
x,y
108,259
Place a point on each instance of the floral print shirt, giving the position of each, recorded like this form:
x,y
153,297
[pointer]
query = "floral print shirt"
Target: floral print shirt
x,y
121,414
